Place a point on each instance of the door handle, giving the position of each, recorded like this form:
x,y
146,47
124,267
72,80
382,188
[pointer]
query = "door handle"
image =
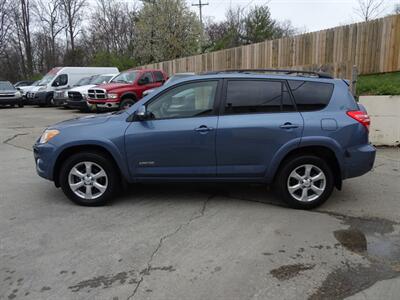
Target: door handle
x,y
289,125
203,129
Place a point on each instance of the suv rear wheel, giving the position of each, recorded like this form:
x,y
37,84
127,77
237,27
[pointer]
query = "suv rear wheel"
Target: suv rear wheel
x,y
305,182
88,179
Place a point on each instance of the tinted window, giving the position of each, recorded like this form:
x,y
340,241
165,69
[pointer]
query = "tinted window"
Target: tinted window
x,y
189,100
311,95
261,96
158,76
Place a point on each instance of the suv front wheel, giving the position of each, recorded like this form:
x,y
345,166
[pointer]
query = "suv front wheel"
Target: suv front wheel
x,y
305,182
88,179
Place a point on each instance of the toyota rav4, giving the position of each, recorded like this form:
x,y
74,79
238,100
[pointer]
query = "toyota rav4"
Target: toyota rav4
x,y
301,132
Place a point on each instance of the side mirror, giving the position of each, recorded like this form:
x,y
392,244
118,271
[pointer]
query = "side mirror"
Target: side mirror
x,y
141,114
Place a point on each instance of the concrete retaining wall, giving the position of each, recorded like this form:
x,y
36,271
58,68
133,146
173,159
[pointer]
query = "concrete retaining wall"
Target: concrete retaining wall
x,y
385,119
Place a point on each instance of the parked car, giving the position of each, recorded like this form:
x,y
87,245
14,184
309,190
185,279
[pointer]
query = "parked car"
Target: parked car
x,y
171,80
126,88
25,89
77,97
9,95
60,97
303,134
60,78
23,83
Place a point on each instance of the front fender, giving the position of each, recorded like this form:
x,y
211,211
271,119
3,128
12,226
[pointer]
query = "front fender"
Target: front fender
x,y
106,144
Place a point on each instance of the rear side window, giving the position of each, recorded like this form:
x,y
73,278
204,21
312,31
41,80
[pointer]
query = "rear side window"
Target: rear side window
x,y
257,96
311,95
148,76
159,76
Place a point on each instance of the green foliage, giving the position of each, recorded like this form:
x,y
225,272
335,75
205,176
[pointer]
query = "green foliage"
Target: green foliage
x,y
166,29
105,59
259,26
379,84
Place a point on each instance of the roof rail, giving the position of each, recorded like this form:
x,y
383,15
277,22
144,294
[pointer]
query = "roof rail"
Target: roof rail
x,y
286,72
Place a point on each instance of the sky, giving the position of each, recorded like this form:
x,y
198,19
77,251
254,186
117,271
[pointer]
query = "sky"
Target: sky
x,y
308,15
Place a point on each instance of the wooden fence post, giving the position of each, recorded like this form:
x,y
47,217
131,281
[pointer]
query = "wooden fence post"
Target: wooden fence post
x,y
354,78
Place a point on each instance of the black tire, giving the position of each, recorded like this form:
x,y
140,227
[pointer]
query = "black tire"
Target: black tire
x,y
126,103
291,164
99,159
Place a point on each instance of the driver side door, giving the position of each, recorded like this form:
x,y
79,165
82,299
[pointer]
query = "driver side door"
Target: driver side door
x,y
178,140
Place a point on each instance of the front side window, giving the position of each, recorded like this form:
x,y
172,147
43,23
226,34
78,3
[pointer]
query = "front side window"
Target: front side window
x,y
61,80
311,95
189,100
257,96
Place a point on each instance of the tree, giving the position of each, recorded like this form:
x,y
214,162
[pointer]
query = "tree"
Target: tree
x,y
5,25
259,26
49,16
397,9
73,11
166,29
369,9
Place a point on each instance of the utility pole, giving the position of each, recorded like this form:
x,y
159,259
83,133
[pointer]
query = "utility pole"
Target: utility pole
x,y
200,5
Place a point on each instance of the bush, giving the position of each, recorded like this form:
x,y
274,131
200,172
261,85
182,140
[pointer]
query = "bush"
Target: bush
x,y
379,84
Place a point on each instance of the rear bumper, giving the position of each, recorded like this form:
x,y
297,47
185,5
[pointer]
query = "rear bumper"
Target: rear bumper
x,y
359,160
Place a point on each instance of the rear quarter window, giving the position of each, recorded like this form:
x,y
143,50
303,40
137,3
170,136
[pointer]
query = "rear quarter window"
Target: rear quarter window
x,y
159,76
310,95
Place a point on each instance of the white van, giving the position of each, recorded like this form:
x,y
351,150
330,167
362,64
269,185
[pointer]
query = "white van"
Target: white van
x,y
62,78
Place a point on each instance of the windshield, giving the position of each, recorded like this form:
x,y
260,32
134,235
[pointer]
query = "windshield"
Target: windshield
x,y
46,79
6,86
126,77
102,79
84,81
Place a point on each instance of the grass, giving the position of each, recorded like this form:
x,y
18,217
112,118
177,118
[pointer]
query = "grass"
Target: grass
x,y
379,84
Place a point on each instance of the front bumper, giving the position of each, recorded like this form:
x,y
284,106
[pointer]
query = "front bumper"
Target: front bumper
x,y
38,97
105,104
11,101
81,104
359,160
60,101
44,159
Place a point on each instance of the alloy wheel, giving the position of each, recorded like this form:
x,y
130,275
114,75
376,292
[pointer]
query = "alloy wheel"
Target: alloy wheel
x,y
88,180
306,183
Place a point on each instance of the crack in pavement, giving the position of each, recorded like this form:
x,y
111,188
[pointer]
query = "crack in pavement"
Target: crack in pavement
x,y
8,140
147,270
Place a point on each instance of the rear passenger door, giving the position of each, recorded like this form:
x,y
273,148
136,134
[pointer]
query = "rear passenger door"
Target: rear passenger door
x,y
257,118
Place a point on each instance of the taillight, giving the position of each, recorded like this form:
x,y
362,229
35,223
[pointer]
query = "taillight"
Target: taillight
x,y
360,116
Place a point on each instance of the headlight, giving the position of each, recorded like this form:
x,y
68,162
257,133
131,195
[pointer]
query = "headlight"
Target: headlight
x,y
17,94
66,94
112,96
48,135
84,95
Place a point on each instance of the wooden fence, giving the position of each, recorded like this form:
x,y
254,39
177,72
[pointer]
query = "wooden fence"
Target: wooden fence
x,y
374,47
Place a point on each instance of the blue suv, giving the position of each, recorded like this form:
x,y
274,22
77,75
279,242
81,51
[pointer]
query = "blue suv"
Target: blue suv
x,y
301,132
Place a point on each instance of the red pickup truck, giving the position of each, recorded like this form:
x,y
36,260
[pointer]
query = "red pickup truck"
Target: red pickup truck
x,y
126,88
